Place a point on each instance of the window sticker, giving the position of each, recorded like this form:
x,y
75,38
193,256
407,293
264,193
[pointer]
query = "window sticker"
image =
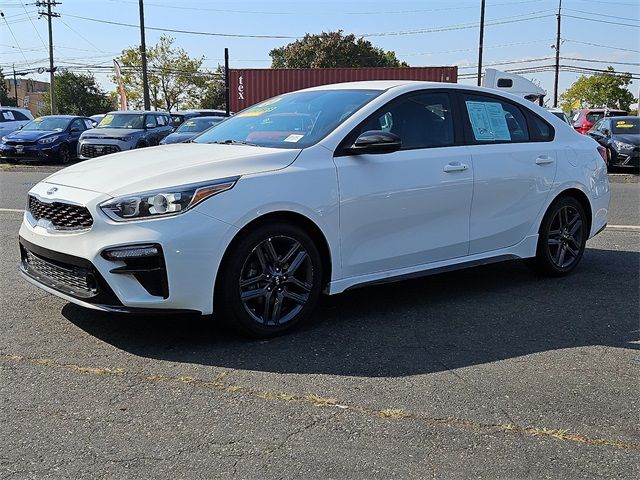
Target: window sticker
x,y
488,121
258,110
293,138
624,124
106,120
8,115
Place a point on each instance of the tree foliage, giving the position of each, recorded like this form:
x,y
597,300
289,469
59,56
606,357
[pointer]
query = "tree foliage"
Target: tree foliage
x,y
5,98
76,94
213,91
331,50
175,79
599,90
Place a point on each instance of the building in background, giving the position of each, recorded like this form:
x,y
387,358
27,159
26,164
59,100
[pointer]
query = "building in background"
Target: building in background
x,y
30,93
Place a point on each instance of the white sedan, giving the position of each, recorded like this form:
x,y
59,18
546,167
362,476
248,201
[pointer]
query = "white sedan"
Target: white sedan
x,y
317,191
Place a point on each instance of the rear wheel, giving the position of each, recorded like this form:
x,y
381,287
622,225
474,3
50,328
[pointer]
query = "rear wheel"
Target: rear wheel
x,y
270,281
562,238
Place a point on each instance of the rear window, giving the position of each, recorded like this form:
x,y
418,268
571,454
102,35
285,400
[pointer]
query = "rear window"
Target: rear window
x,y
594,117
493,120
626,126
7,116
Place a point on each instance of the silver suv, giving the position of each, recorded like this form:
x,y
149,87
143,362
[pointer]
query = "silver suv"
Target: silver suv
x,y
124,130
12,119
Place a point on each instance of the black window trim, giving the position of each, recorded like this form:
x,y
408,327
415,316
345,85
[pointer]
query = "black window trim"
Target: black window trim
x,y
458,136
527,113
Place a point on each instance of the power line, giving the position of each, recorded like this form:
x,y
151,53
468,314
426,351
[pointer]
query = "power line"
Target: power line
x,y
32,24
602,46
598,14
14,37
602,21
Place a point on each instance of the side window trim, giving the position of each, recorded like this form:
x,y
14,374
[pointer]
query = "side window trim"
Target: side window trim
x,y
458,139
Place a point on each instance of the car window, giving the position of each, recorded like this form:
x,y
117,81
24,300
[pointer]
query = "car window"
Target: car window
x,y
7,116
160,119
598,125
77,123
150,121
491,120
20,116
421,121
88,123
122,120
629,126
594,116
542,131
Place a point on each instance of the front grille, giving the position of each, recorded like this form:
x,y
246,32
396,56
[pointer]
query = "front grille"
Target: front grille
x,y
62,215
70,279
13,143
92,151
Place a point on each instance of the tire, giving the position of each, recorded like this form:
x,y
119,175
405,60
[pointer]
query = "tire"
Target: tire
x,y
141,145
563,229
64,155
270,281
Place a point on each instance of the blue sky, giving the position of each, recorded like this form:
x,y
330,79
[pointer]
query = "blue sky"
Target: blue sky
x,y
428,32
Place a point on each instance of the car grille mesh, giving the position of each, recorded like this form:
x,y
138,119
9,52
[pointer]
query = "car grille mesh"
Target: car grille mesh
x,y
72,278
91,151
62,215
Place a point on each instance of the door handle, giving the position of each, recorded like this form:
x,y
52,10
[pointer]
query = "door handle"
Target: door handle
x,y
455,167
544,160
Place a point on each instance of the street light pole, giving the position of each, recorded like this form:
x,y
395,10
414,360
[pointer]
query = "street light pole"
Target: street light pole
x,y
143,55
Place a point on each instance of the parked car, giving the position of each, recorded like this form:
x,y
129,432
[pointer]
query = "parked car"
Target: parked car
x,y
178,118
124,130
12,119
391,179
96,119
190,129
585,119
53,137
621,137
558,112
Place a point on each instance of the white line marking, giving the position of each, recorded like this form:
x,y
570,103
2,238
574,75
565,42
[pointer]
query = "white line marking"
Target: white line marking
x,y
11,210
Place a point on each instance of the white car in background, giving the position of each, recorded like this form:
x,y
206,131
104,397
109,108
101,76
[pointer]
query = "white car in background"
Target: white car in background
x,y
319,190
12,119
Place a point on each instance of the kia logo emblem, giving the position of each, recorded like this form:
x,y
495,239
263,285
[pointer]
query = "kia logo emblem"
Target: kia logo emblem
x,y
52,190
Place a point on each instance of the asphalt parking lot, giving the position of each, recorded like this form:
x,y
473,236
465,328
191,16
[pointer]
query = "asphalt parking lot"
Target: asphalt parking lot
x,y
490,372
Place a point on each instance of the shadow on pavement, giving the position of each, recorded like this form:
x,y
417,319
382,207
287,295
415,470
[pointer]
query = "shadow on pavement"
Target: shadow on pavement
x,y
413,327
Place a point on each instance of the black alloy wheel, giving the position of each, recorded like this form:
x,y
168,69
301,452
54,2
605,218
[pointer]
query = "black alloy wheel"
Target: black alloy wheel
x,y
64,154
271,281
562,238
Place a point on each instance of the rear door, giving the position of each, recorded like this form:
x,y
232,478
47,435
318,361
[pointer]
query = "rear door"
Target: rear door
x,y
514,165
75,130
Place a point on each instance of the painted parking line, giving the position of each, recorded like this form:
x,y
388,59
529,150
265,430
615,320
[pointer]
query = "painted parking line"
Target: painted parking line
x,y
11,210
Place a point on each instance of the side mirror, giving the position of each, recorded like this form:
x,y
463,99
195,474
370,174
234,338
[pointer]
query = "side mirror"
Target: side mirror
x,y
20,127
74,130
375,141
606,132
149,125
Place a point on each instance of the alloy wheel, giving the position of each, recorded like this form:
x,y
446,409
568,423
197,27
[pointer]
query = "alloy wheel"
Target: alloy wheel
x,y
276,280
565,237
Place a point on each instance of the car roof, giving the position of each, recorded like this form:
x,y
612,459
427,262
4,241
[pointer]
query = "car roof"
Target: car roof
x,y
137,112
623,117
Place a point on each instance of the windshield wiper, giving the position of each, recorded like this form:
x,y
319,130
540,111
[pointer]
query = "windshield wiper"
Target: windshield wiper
x,y
234,142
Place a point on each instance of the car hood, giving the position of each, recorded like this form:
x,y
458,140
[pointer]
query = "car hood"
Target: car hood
x,y
109,132
170,165
179,137
633,139
31,135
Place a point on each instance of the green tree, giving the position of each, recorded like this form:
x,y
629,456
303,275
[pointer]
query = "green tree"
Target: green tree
x,y
213,92
175,79
77,94
5,98
599,90
332,50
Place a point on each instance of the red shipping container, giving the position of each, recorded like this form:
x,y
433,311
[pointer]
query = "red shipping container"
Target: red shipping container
x,y
250,86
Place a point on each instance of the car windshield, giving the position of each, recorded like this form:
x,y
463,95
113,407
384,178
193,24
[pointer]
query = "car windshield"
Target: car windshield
x,y
122,120
47,124
195,125
626,126
294,120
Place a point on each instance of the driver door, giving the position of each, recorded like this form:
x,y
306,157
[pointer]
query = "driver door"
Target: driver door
x,y
409,207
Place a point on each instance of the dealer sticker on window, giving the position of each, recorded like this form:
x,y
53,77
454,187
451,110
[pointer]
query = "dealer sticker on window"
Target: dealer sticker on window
x,y
293,138
488,121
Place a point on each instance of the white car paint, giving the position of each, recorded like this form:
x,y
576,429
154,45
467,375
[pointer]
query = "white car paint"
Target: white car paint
x,y
382,216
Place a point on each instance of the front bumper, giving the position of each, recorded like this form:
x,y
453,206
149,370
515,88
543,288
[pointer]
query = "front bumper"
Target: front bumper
x,y
626,158
29,152
96,147
192,246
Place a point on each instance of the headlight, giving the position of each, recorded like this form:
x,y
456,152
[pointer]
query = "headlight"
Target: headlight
x,y
48,140
123,139
4,139
622,145
165,202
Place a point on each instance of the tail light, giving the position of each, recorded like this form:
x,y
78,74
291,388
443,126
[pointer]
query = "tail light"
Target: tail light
x,y
603,153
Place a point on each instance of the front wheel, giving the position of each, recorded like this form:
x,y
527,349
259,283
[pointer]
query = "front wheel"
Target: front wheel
x,y
64,155
270,281
562,238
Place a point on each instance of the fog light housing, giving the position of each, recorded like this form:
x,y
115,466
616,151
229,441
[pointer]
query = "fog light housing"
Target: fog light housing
x,y
145,263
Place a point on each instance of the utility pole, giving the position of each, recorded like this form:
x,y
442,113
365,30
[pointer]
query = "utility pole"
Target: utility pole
x,y
15,84
227,90
555,81
49,4
480,44
143,55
